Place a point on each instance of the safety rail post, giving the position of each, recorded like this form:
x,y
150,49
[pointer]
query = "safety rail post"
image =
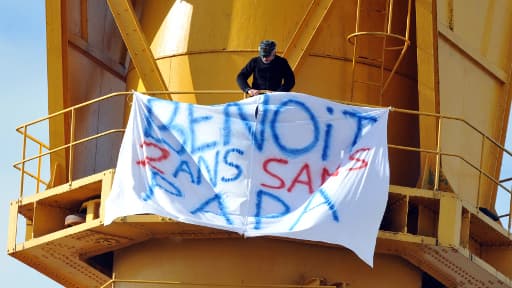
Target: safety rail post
x,y
71,144
387,27
39,164
509,224
438,154
382,58
480,174
13,211
23,155
354,57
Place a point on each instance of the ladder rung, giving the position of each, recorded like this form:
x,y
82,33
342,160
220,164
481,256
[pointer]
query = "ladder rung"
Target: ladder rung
x,y
375,10
362,58
369,83
364,61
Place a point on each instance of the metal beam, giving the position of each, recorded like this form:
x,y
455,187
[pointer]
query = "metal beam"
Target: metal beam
x,y
300,41
56,53
450,221
84,21
137,46
12,228
456,40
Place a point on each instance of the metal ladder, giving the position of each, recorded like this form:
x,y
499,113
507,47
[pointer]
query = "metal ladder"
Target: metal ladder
x,y
383,9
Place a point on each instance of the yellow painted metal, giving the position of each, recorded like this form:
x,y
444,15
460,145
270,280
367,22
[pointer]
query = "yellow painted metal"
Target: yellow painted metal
x,y
92,209
406,238
428,90
450,222
259,261
474,76
56,57
71,140
316,284
29,229
509,224
152,225
84,29
135,41
438,156
27,137
12,227
21,167
106,184
399,215
428,75
202,45
199,48
305,32
465,228
44,150
47,219
426,221
386,35
456,40
500,256
23,155
483,28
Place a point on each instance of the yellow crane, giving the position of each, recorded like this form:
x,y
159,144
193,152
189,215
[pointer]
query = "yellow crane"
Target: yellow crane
x,y
443,66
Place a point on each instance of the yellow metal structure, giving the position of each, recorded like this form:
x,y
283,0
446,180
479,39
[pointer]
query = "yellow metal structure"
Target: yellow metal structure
x,y
447,83
307,28
391,41
142,57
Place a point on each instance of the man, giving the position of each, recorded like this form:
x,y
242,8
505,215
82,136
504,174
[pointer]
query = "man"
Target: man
x,y
269,72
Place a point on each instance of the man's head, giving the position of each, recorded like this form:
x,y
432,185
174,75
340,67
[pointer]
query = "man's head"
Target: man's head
x,y
267,50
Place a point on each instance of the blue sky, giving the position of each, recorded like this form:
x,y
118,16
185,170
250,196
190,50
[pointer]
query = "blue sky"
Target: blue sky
x,y
23,79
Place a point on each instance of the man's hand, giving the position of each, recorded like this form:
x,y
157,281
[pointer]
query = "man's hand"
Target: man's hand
x,y
253,92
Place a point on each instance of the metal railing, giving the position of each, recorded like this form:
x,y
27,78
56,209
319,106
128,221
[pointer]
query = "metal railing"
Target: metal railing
x,y
438,153
45,150
23,130
506,180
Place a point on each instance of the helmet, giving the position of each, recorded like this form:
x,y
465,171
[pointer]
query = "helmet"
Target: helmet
x,y
266,48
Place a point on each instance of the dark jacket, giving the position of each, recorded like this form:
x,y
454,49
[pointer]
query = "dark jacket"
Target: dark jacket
x,y
274,76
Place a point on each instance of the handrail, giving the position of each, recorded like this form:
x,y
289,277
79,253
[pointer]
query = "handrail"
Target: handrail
x,y
26,136
497,182
99,99
437,115
16,165
61,112
21,165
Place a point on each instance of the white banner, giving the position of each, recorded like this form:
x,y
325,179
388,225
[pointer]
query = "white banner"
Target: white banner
x,y
282,164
